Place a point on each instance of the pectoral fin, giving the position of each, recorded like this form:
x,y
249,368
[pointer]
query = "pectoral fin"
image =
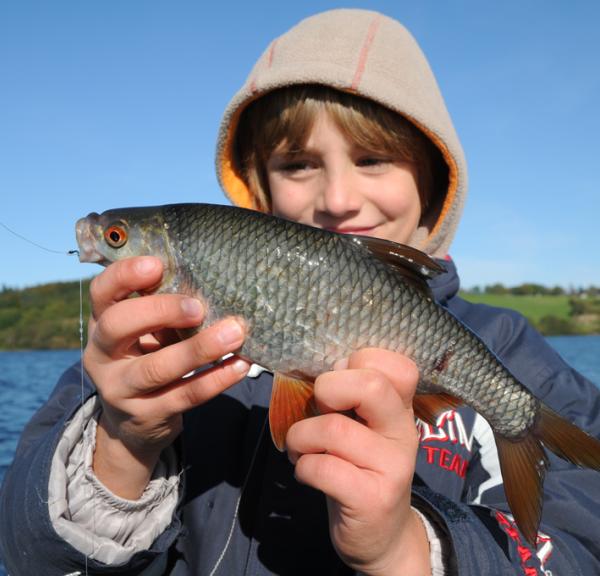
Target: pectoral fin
x,y
291,401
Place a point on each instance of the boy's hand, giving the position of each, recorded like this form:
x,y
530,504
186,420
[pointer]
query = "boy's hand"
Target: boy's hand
x,y
139,376
365,465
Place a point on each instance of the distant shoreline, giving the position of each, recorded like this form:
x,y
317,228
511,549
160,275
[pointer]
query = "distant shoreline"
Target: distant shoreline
x,y
551,315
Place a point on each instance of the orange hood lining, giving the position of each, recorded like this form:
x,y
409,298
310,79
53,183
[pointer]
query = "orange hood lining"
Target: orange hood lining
x,y
238,192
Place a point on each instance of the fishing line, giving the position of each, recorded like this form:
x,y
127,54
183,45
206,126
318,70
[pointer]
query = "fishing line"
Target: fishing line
x,y
239,499
84,436
83,421
85,440
69,252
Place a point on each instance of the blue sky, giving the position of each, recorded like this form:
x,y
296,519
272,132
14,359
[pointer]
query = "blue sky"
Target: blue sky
x,y
106,104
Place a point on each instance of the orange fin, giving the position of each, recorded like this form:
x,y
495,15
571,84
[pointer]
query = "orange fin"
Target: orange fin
x,y
523,464
567,440
291,401
428,407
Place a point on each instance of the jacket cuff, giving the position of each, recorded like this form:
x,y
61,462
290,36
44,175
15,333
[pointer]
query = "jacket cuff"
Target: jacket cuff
x,y
438,545
90,517
472,548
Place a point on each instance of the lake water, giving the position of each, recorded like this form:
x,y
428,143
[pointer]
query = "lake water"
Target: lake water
x,y
28,377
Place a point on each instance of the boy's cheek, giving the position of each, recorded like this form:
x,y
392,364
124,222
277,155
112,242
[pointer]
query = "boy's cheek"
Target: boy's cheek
x,y
292,206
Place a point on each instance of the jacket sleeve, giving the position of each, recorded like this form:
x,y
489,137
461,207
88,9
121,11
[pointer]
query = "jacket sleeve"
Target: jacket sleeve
x,y
29,544
482,533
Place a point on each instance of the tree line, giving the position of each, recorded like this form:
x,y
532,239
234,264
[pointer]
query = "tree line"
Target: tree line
x,y
532,289
42,317
552,310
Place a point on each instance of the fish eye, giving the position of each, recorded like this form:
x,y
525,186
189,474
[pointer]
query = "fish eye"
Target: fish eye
x,y
116,235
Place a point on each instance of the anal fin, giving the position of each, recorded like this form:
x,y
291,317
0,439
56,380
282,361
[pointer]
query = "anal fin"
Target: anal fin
x,y
291,401
523,464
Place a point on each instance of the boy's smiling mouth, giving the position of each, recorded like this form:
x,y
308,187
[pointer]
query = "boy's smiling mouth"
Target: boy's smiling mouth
x,y
358,230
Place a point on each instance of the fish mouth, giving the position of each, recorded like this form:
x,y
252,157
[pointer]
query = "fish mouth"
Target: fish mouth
x,y
86,240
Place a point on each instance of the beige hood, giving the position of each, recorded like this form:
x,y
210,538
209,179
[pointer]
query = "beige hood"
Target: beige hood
x,y
368,54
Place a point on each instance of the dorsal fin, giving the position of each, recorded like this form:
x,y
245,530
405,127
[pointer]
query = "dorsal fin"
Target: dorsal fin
x,y
414,265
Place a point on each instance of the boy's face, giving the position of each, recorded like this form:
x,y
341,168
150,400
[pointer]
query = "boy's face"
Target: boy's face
x,y
336,185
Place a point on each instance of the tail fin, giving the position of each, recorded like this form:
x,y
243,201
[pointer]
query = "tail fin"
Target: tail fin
x,y
524,463
567,440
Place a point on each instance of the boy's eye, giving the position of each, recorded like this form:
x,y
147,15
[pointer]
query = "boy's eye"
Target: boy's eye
x,y
368,161
295,166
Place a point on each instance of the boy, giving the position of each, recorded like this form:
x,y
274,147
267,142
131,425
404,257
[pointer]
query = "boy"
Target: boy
x,y
340,126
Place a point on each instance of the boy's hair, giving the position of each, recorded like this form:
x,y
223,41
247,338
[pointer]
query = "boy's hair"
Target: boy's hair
x,y
286,116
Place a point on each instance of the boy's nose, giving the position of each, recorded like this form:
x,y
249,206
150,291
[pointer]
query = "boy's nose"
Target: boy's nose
x,y
340,195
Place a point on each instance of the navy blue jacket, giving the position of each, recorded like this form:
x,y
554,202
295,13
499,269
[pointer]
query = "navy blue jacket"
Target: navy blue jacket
x,y
281,526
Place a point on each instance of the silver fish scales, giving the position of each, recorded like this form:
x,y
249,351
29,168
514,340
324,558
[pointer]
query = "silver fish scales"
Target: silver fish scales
x,y
311,297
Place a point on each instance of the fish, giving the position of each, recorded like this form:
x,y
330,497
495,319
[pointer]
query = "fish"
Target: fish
x,y
310,297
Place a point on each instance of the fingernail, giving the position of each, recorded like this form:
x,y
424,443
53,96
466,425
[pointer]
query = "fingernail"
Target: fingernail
x,y
145,266
241,366
191,307
341,364
230,333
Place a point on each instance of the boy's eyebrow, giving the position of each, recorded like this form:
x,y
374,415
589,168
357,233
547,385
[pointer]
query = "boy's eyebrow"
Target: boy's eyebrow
x,y
290,153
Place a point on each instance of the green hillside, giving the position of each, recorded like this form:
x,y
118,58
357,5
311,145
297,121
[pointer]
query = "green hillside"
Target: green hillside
x,y
550,314
42,317
534,307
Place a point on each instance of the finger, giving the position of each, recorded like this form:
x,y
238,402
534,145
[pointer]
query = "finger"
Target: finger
x,y
369,393
121,279
345,438
178,396
153,371
124,322
156,340
337,478
198,389
151,342
400,370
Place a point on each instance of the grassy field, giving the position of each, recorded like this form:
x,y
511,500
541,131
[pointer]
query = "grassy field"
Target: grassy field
x,y
534,307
